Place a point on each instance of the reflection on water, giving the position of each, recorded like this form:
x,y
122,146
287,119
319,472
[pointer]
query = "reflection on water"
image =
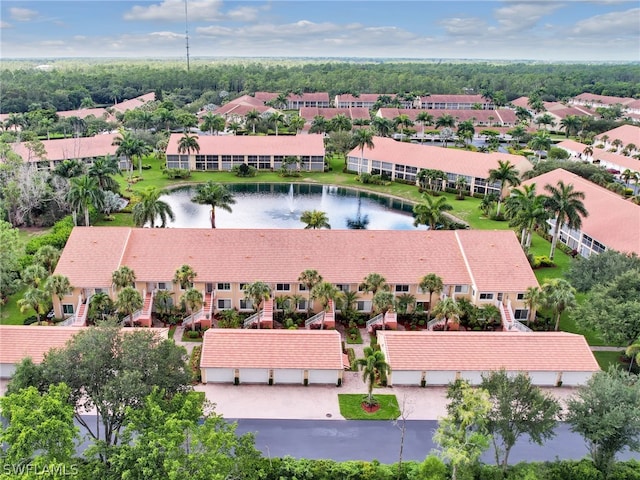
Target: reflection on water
x,y
280,206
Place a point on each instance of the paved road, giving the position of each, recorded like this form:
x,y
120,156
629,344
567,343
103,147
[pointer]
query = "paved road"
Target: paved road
x,y
369,440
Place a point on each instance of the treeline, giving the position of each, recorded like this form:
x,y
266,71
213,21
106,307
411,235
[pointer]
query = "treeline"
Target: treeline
x,y
67,85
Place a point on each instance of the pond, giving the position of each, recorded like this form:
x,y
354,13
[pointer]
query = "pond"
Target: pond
x,y
280,206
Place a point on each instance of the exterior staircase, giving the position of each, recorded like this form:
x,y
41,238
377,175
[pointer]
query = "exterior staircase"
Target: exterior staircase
x,y
389,321
81,315
326,318
203,316
147,309
263,318
510,324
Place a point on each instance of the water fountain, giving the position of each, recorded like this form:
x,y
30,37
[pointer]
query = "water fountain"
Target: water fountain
x,y
291,202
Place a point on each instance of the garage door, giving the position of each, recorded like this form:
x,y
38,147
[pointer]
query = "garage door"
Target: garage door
x,y
254,375
323,377
219,375
291,376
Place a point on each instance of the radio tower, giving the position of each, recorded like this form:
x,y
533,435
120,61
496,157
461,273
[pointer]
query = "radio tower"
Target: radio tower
x,y
186,31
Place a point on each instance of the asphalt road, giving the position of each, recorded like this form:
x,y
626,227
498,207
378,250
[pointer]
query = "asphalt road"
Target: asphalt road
x,y
368,440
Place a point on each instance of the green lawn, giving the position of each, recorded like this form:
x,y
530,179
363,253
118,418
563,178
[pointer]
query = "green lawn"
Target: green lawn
x,y
10,312
539,246
351,409
607,359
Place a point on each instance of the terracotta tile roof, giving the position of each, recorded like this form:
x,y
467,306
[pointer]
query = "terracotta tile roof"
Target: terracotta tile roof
x,y
240,109
254,145
308,113
521,102
134,102
623,162
625,133
602,99
363,97
505,115
309,97
85,112
564,111
612,221
482,248
265,96
451,160
18,342
300,349
92,254
444,98
69,148
485,351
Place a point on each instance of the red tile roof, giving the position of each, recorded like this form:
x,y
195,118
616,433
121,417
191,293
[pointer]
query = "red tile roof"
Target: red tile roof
x,y
485,351
85,112
625,133
612,221
521,102
502,115
341,256
241,106
363,97
134,102
445,98
299,349
69,148
265,96
602,99
450,160
610,158
308,113
254,145
309,97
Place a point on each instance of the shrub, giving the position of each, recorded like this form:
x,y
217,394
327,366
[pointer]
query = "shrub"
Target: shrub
x,y
146,166
194,363
30,320
177,173
542,261
57,237
351,355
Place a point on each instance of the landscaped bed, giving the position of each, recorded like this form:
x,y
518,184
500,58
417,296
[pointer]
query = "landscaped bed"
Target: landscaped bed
x,y
351,407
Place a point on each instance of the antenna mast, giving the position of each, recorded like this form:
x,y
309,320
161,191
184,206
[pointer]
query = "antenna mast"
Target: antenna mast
x,y
186,31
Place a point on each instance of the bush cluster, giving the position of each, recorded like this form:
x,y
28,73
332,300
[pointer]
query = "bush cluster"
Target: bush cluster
x,y
57,237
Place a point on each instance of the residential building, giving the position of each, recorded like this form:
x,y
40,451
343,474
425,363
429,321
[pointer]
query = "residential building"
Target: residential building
x,y
593,100
133,103
364,100
352,113
402,161
287,357
223,152
236,110
485,267
627,135
613,162
503,117
612,223
86,149
439,358
456,102
297,101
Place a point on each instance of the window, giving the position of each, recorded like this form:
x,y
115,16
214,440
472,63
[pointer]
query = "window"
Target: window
x,y
422,306
224,286
486,296
100,290
363,305
246,304
461,288
302,287
500,297
302,304
224,304
520,296
67,309
283,287
402,288
343,287
521,314
162,286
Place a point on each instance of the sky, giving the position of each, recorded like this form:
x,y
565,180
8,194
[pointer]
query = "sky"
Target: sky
x,y
571,30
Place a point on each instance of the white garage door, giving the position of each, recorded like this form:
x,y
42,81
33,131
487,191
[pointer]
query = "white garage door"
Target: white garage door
x,y
288,375
254,375
323,377
219,375
7,370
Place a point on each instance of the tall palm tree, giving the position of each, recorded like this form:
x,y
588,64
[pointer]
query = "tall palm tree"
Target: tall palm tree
x,y
382,126
295,122
532,299
340,123
424,118
84,192
184,276
34,275
214,195
325,291
526,210
36,299
193,300
129,301
571,124
48,257
212,123
188,144
405,302
374,367
565,204
402,121
315,219
588,151
517,133
363,137
374,283
123,277
101,305
445,120
150,207
506,174
70,168
447,309
558,295
58,285
102,170
309,278
319,125
276,119
130,147
162,301
257,292
466,129
252,118
383,301
431,211
541,141
431,283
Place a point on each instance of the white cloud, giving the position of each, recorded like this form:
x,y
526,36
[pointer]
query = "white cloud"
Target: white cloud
x,y
4,24
167,35
523,15
22,14
613,23
173,11
244,14
464,26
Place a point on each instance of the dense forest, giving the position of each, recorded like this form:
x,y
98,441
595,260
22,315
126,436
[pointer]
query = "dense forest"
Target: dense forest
x,y
68,83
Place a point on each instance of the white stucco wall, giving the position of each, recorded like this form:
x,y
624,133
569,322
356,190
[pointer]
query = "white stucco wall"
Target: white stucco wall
x,y
440,377
544,379
572,379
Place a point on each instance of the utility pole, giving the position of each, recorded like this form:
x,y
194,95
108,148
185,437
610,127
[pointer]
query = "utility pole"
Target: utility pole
x,y
186,30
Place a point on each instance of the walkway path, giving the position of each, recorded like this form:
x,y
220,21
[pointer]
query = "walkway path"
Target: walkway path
x,y
606,349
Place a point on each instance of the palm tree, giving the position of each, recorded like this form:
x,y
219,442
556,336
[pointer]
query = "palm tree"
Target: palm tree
x,y
461,184
315,219
545,119
70,168
431,211
319,125
382,126
130,147
571,124
188,143
151,207
374,283
252,118
83,192
523,114
276,119
123,277
362,138
633,352
325,291
374,367
48,257
532,299
447,309
402,121
102,169
101,305
340,123
309,278
558,295
526,210
34,275
257,292
405,302
193,300
295,122
184,276
213,123
565,204
540,142
506,174
466,129
383,301
517,133
129,301
58,285
588,150
424,118
431,283
214,195
36,299
446,120
162,301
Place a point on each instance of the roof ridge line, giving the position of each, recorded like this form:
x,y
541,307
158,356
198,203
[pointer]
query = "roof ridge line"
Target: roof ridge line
x,y
466,261
124,247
